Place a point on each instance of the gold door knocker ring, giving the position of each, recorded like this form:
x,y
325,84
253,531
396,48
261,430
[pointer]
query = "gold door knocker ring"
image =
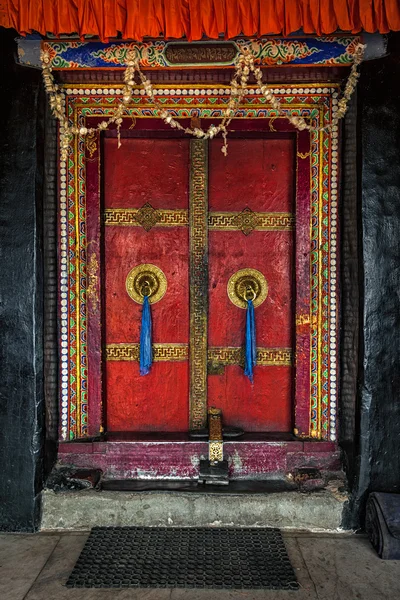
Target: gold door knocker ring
x,y
247,284
146,280
250,293
146,289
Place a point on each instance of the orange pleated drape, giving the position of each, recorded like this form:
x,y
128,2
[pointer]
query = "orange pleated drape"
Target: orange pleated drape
x,y
136,19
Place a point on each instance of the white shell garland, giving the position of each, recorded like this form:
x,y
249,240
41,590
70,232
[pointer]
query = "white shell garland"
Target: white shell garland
x,y
245,65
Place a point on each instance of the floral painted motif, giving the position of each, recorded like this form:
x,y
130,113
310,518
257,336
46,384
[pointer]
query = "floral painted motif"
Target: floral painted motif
x,y
322,51
150,53
280,52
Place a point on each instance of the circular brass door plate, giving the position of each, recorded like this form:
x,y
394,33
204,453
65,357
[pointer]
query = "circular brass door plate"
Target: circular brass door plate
x,y
247,284
146,280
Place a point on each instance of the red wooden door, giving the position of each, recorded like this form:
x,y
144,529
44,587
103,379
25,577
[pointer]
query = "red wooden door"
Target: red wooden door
x,y
155,172
257,176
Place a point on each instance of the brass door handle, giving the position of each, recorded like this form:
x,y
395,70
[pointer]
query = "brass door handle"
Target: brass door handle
x,y
250,292
247,284
146,280
146,288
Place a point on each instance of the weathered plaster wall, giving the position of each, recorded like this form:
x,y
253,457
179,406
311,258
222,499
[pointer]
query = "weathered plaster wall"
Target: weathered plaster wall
x,y
378,420
21,306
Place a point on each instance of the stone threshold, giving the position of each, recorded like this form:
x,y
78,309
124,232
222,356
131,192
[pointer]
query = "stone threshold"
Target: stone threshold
x,y
82,510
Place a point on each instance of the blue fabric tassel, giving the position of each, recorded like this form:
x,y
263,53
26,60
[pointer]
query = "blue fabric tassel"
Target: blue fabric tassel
x,y
250,342
146,350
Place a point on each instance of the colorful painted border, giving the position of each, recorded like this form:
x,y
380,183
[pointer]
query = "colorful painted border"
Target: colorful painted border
x,y
314,103
273,52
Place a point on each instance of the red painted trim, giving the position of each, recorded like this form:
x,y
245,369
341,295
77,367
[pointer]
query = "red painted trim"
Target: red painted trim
x,y
75,448
319,446
180,459
93,283
302,272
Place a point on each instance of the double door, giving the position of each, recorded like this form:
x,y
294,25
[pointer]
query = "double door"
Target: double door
x,y
199,222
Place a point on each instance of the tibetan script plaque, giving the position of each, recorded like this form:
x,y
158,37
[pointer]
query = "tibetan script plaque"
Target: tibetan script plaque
x,y
200,53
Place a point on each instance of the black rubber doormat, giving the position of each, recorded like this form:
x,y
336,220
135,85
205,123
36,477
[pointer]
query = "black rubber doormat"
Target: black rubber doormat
x,y
183,557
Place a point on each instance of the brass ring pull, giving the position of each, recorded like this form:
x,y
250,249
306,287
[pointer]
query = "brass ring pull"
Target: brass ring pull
x,y
245,285
146,288
146,280
250,293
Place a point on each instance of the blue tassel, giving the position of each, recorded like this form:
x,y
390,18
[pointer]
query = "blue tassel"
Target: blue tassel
x,y
250,341
146,351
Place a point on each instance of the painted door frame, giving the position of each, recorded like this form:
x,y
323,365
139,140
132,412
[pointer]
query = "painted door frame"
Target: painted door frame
x,y
316,243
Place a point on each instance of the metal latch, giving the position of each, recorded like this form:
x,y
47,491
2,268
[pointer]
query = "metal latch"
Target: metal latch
x,y
215,469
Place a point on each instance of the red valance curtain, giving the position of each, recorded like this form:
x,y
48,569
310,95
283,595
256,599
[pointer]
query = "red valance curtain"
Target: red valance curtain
x,y
136,19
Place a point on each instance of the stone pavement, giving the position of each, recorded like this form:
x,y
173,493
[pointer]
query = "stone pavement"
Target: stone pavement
x,y
328,567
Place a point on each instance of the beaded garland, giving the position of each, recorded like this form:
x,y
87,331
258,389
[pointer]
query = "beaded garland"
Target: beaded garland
x,y
245,65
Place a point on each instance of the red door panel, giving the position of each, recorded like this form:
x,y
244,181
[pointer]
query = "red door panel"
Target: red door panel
x,y
146,170
167,248
265,406
151,171
258,174
269,252
156,402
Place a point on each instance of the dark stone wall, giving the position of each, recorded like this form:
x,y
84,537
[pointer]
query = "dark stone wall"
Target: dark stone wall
x,y
21,292
377,428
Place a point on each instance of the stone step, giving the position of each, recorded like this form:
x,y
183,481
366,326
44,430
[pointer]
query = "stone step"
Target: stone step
x,y
82,510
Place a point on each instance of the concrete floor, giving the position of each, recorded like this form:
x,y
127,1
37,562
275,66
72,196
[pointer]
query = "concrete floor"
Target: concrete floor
x,y
328,567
